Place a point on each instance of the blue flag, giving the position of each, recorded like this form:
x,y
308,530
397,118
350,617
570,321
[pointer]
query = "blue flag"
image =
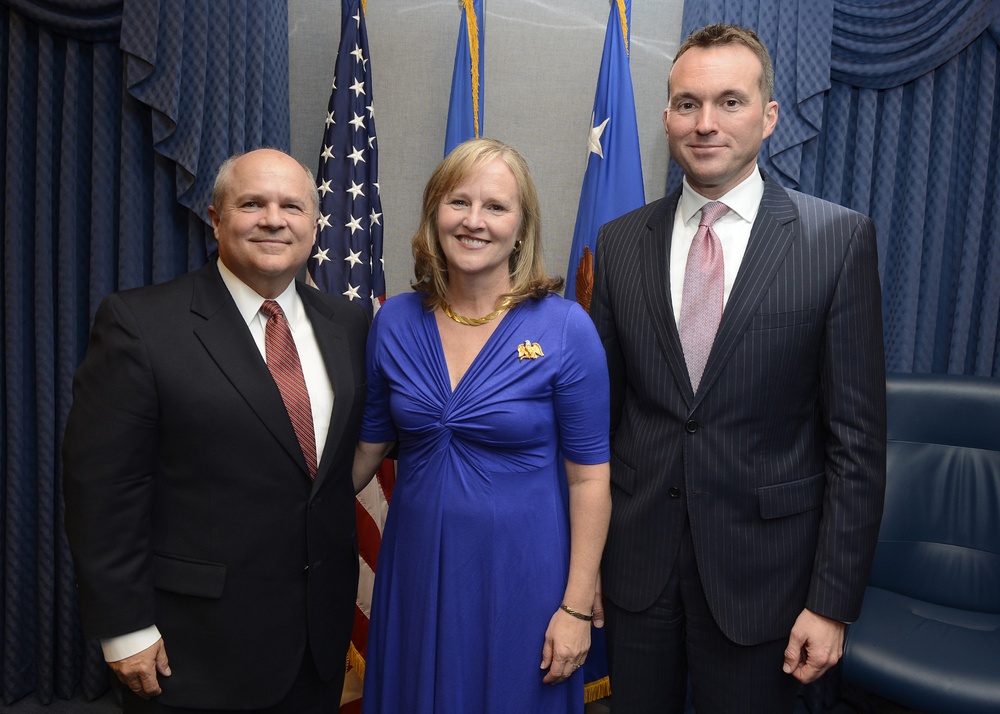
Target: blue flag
x,y
465,110
613,182
612,186
348,256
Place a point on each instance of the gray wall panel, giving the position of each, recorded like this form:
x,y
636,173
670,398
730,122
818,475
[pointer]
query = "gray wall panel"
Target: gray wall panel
x,y
542,59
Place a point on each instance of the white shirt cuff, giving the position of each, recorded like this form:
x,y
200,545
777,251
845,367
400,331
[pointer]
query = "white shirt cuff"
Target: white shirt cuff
x,y
118,648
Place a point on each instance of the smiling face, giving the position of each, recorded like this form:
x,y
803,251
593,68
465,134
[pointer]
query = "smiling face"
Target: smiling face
x,y
717,117
266,223
478,222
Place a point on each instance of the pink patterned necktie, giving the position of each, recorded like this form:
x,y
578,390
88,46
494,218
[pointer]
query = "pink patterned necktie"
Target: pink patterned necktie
x,y
283,361
701,303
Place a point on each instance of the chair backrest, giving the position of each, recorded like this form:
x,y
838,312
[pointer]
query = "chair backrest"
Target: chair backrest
x,y
940,534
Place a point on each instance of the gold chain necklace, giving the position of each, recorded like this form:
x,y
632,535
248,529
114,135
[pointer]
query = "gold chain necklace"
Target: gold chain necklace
x,y
474,321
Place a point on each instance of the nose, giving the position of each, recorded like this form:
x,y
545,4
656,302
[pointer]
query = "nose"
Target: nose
x,y
473,218
706,121
272,216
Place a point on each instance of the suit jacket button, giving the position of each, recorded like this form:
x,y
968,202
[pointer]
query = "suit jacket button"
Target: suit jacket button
x,y
674,492
690,426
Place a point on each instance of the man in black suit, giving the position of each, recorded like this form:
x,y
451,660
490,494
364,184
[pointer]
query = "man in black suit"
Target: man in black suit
x,y
747,488
199,526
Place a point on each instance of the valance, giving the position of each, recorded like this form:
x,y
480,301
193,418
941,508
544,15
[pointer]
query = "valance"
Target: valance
x,y
880,45
83,20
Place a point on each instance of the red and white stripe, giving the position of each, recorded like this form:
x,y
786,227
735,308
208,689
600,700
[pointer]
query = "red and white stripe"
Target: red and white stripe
x,y
371,507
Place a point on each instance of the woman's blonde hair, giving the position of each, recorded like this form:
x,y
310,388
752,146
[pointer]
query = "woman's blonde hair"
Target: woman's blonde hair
x,y
526,264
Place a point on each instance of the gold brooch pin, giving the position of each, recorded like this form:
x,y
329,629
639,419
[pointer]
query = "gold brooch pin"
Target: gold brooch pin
x,y
529,350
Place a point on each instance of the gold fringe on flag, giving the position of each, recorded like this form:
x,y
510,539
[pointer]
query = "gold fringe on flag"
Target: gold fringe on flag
x,y
624,19
472,27
599,689
356,662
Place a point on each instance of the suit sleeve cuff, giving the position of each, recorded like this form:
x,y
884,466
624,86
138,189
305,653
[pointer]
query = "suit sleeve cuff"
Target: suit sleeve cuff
x,y
118,648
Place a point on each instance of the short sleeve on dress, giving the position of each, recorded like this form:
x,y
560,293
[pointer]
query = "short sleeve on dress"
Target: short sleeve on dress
x,y
582,397
377,424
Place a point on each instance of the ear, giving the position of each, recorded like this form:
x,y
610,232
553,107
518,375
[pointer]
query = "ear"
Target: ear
x,y
770,118
215,218
666,116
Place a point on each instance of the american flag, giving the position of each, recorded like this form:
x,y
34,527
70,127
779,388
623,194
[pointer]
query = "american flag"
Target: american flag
x,y
348,261
348,257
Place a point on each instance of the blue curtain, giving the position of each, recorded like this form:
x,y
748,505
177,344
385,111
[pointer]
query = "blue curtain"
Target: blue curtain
x,y
893,109
115,117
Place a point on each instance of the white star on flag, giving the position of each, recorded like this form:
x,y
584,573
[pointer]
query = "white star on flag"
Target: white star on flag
x,y
356,156
355,190
594,140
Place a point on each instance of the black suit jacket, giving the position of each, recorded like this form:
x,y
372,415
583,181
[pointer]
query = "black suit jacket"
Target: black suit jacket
x,y
188,501
778,461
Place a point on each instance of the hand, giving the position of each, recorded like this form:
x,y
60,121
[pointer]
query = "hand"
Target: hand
x,y
815,644
598,620
567,641
139,671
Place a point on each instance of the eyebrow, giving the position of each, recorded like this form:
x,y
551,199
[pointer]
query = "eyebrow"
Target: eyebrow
x,y
731,92
262,198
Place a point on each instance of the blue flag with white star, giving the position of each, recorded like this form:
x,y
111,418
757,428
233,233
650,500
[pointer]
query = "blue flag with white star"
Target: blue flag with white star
x,y
348,256
465,109
612,184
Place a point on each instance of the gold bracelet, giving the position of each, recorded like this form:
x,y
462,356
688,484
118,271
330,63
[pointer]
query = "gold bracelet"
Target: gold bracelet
x,y
578,615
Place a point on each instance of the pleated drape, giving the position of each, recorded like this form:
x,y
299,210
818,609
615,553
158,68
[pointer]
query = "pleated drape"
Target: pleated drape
x,y
115,117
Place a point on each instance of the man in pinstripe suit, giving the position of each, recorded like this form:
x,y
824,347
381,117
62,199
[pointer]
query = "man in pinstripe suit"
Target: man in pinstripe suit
x,y
745,509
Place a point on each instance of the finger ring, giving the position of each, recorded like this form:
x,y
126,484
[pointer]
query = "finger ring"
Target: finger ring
x,y
576,666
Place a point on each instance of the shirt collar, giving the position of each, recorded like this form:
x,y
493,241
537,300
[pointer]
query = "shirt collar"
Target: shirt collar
x,y
248,302
743,199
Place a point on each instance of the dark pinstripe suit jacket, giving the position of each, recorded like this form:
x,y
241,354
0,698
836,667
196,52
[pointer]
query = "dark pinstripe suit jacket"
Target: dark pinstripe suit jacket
x,y
779,458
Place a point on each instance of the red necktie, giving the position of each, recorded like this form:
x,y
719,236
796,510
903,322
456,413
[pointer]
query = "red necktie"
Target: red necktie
x,y
283,361
704,283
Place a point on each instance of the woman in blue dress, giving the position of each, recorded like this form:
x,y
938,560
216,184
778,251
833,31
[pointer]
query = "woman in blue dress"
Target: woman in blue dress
x,y
496,391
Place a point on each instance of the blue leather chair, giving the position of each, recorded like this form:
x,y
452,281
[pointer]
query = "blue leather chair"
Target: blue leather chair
x,y
929,632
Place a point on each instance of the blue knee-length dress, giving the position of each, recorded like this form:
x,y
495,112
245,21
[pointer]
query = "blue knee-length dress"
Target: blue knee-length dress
x,y
475,550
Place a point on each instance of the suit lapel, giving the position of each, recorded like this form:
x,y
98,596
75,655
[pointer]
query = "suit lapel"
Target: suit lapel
x,y
771,236
227,339
655,246
333,345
